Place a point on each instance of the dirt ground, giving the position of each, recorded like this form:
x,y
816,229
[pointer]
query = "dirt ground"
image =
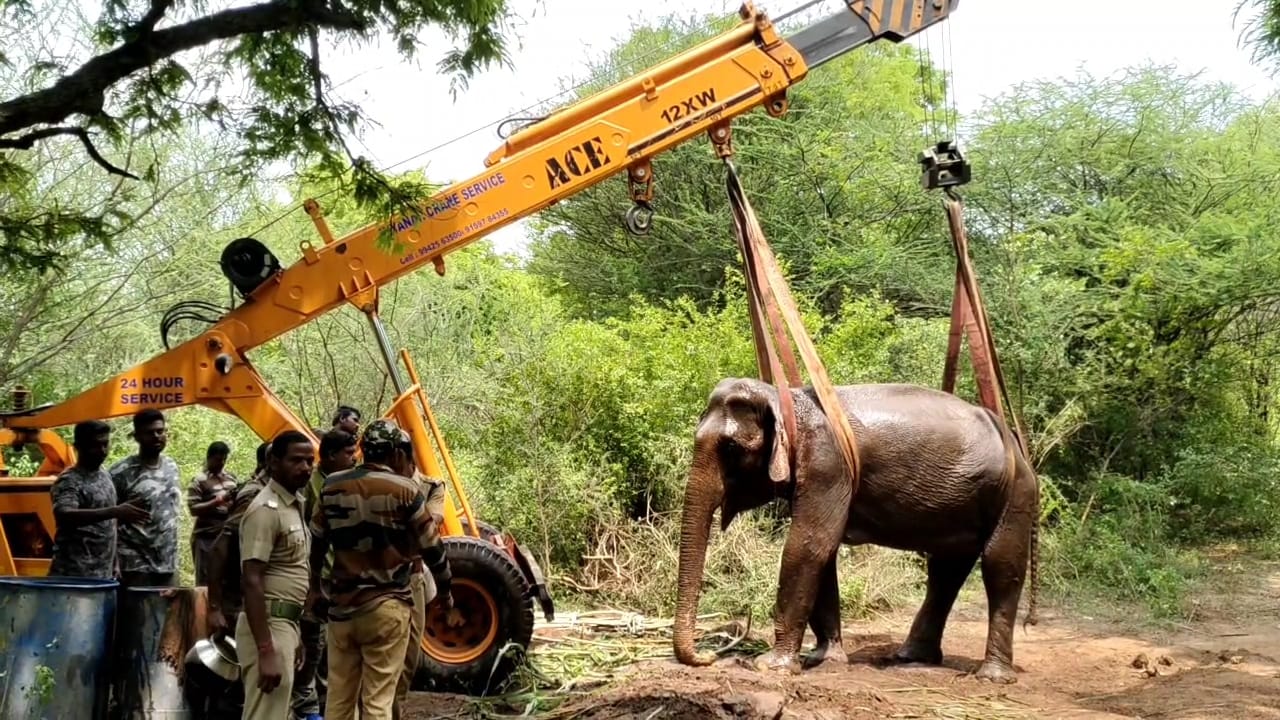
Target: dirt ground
x,y
1224,664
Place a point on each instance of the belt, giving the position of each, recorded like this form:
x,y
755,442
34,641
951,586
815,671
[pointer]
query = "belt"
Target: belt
x,y
284,610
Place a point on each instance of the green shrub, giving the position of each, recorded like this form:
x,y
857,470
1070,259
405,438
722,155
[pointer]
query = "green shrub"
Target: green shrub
x,y
1120,550
1224,491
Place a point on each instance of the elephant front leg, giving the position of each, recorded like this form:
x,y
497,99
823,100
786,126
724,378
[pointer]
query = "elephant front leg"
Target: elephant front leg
x,y
816,527
825,619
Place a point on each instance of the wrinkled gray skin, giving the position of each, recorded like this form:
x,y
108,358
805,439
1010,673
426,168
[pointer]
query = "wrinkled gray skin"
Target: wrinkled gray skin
x,y
933,481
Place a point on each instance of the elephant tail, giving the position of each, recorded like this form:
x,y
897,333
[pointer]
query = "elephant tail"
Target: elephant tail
x,y
1033,617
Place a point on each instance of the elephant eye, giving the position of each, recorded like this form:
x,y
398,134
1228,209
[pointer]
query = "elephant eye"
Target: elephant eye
x,y
733,452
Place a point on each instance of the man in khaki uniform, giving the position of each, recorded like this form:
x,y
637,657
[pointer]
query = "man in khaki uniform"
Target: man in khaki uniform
x,y
275,552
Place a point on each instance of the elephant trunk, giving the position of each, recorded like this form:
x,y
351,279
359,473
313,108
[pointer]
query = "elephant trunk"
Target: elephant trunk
x,y
702,495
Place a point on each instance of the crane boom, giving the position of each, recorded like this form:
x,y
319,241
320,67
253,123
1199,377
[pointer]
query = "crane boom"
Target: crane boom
x,y
620,129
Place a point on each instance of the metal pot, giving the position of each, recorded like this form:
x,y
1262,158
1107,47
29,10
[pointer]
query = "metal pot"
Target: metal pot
x,y
217,655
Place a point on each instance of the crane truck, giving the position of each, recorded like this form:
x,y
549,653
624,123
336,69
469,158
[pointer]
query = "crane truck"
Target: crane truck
x,y
618,130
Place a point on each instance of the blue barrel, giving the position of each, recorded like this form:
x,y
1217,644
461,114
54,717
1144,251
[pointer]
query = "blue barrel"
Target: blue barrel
x,y
55,636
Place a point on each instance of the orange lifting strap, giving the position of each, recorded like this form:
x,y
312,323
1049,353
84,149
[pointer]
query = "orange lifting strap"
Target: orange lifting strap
x,y
945,167
769,298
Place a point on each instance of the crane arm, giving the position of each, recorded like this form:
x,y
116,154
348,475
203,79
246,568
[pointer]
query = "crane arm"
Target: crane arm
x,y
203,371
618,129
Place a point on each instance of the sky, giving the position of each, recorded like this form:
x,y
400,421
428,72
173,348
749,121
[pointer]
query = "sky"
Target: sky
x,y
994,45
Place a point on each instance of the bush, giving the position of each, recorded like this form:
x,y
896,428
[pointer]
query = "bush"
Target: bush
x,y
1223,491
1118,549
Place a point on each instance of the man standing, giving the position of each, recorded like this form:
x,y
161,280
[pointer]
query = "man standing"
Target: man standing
x,y
261,467
148,549
347,418
225,600
274,552
369,598
209,499
337,453
85,509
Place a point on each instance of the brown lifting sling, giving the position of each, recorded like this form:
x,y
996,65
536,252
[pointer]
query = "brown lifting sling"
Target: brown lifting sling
x,y
946,168
771,304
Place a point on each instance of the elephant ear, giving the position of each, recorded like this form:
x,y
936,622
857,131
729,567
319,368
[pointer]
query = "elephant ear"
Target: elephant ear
x,y
780,456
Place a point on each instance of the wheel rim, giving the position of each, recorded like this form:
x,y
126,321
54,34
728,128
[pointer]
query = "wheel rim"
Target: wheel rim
x,y
474,637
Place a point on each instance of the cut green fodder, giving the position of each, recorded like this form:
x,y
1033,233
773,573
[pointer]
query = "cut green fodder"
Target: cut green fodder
x,y
939,703
582,654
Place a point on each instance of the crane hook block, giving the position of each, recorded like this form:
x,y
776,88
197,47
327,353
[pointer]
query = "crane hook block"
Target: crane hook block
x,y
944,166
639,218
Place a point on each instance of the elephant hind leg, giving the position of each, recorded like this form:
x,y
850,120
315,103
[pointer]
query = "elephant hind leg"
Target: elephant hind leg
x,y
924,642
824,620
1004,568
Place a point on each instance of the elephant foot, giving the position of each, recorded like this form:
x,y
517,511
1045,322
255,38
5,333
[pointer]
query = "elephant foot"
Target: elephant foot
x,y
778,662
911,654
997,672
827,653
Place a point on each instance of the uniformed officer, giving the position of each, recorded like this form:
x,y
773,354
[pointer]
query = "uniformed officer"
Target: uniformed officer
x,y
209,499
274,555
368,593
225,599
261,468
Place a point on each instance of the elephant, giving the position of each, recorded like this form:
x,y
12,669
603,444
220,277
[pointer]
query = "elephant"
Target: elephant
x,y
939,476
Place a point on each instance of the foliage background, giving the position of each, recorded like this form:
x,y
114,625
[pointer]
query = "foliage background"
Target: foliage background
x,y
1123,228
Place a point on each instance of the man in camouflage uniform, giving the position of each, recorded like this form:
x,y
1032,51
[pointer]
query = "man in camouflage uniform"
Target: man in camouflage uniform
x,y
85,509
148,550
337,453
376,523
209,498
274,552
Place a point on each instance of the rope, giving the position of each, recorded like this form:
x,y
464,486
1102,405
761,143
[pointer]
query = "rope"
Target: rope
x,y
949,65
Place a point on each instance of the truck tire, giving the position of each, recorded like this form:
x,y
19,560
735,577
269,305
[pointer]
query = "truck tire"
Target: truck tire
x,y
487,531
495,599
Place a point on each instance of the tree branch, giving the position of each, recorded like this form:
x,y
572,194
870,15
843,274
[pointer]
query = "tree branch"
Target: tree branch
x,y
148,22
26,142
83,90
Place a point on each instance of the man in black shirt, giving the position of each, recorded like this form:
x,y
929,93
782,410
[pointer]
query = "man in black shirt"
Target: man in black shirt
x,y
86,511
